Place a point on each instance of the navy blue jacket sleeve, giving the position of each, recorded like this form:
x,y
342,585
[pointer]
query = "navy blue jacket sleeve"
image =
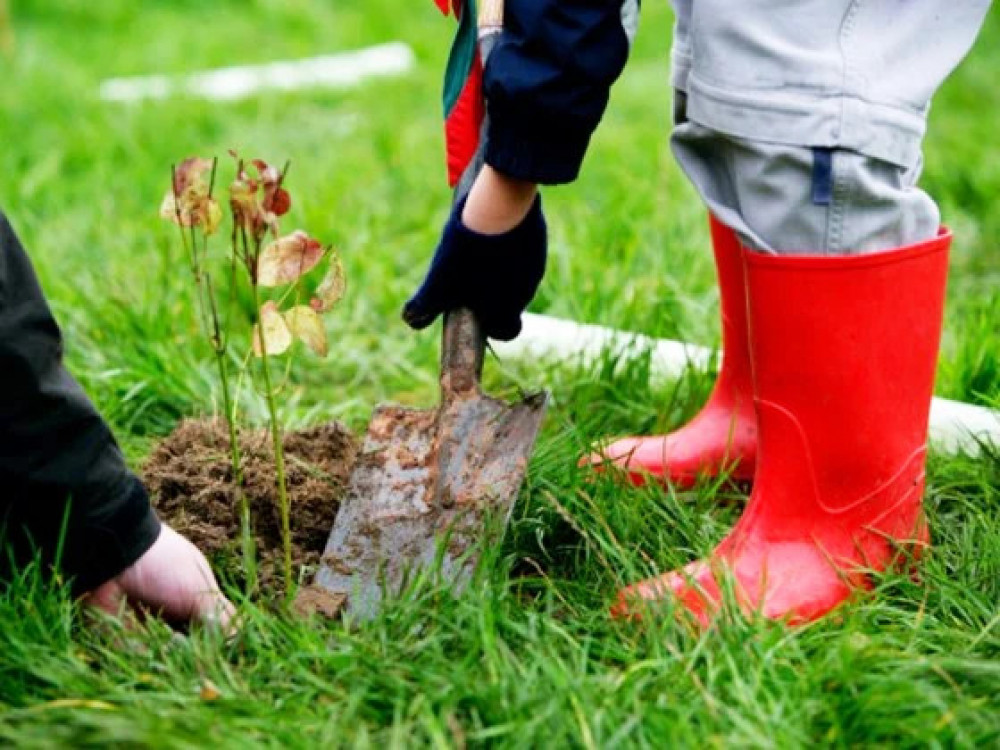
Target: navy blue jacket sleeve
x,y
548,81
64,485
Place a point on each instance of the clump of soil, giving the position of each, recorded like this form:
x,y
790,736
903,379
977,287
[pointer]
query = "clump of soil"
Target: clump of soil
x,y
313,600
190,477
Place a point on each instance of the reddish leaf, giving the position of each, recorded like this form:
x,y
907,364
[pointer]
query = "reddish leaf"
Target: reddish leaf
x,y
258,202
287,259
266,172
192,171
276,199
188,202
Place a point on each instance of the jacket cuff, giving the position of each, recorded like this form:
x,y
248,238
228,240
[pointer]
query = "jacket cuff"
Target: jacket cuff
x,y
102,551
535,155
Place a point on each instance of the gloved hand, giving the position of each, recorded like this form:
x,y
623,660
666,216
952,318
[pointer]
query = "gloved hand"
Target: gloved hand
x,y
172,579
495,276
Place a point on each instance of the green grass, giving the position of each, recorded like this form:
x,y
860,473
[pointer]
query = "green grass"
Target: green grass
x,y
527,656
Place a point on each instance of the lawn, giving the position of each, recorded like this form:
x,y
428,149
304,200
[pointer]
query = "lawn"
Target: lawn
x,y
528,655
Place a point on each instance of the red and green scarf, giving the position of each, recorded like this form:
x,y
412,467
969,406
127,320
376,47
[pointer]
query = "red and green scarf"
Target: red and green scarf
x,y
464,108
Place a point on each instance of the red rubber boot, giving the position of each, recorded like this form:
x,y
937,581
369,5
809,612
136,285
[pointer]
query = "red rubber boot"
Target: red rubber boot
x,y
844,353
723,435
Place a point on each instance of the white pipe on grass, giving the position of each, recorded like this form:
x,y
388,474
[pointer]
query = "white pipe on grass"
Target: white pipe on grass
x,y
338,71
955,427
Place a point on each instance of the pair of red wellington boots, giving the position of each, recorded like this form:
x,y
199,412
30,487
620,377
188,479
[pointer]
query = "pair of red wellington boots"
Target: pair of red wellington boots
x,y
823,402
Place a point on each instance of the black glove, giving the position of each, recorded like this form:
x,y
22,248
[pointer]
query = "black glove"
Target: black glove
x,y
495,276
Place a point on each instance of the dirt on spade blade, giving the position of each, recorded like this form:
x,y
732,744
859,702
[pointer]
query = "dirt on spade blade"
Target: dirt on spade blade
x,y
190,478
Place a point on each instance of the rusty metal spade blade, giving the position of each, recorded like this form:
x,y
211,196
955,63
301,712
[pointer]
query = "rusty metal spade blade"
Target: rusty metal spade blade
x,y
429,485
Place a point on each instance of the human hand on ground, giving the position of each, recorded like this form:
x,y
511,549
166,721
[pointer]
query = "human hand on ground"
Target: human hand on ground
x,y
491,258
173,580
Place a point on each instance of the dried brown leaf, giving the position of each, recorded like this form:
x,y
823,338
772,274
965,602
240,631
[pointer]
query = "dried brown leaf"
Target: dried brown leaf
x,y
188,202
331,290
209,691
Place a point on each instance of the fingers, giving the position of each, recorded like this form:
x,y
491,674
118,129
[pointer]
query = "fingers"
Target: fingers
x,y
173,579
503,327
108,598
212,608
418,313
500,327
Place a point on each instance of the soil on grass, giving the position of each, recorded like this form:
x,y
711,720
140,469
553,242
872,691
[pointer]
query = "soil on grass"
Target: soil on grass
x,y
190,477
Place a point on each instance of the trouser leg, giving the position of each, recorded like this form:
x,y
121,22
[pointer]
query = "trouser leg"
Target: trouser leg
x,y
802,129
802,201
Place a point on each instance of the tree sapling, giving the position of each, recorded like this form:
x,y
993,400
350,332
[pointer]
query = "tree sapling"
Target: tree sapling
x,y
257,201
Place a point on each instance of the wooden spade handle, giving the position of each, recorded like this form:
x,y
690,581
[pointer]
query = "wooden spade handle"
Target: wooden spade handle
x,y
490,15
463,349
463,345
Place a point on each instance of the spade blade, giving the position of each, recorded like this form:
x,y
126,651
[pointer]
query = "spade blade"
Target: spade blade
x,y
427,487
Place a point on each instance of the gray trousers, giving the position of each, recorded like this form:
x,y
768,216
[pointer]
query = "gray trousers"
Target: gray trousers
x,y
801,126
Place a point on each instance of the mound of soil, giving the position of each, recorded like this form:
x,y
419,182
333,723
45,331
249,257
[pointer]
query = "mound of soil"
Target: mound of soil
x,y
190,477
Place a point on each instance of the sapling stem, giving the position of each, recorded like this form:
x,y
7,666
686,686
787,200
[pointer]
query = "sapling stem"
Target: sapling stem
x,y
212,326
220,345
251,261
278,447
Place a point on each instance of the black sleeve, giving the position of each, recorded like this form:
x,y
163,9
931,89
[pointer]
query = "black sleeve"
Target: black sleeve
x,y
548,81
60,468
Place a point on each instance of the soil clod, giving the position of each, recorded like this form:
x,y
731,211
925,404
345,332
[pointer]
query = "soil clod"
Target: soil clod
x,y
313,600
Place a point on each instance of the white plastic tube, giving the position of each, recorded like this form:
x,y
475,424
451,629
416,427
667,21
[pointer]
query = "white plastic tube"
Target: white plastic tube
x,y
955,427
339,71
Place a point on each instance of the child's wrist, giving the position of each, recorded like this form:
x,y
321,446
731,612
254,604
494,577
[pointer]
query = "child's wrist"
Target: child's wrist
x,y
497,203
